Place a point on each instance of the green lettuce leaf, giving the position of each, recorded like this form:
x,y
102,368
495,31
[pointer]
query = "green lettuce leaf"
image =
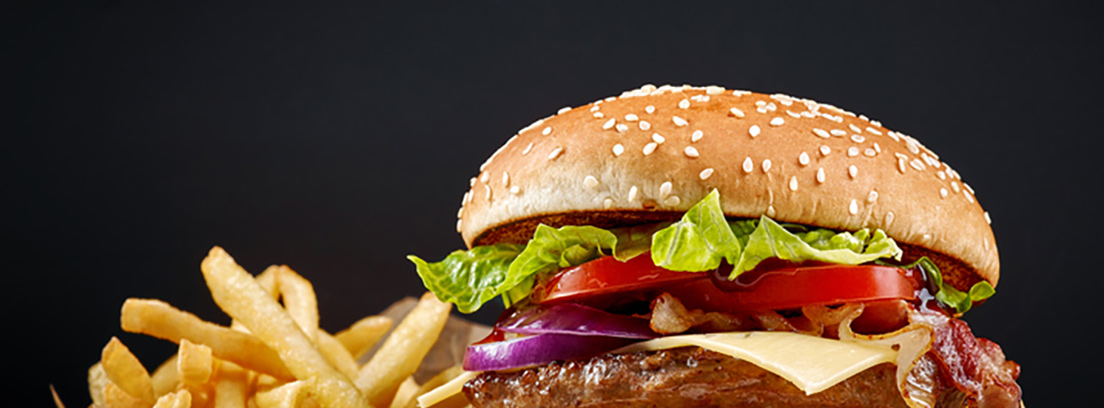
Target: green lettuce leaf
x,y
469,278
946,294
703,237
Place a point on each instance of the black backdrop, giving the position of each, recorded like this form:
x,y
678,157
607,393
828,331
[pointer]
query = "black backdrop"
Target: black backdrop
x,y
338,138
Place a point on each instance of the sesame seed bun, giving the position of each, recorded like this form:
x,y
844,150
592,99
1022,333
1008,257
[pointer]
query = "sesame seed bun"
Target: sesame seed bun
x,y
652,153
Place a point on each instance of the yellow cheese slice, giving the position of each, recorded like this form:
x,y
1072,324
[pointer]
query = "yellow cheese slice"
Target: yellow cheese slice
x,y
813,364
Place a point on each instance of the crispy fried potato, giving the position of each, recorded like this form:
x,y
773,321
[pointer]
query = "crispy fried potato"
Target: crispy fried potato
x,y
403,350
161,320
231,386
57,399
115,397
290,395
239,295
194,363
362,335
336,354
125,371
299,299
165,377
179,399
406,393
97,378
438,380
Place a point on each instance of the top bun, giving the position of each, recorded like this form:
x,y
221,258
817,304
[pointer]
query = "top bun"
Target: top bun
x,y
652,153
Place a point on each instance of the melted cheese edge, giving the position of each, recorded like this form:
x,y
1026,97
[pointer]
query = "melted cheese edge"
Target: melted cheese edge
x,y
813,364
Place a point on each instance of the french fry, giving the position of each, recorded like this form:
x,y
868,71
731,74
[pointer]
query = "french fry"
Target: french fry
x,y
336,354
231,386
161,320
57,399
299,299
438,380
194,363
289,395
406,393
403,350
115,397
362,335
125,371
179,399
97,378
239,295
165,377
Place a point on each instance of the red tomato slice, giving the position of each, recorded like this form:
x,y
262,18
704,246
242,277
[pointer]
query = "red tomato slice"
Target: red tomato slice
x,y
792,288
606,275
777,286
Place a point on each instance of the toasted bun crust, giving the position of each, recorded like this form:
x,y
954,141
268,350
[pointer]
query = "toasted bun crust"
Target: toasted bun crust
x,y
652,153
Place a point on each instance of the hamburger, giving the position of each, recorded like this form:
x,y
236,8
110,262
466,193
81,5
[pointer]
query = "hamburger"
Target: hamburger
x,y
697,246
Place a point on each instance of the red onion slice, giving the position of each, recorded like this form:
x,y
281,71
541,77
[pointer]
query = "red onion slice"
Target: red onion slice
x,y
536,350
569,318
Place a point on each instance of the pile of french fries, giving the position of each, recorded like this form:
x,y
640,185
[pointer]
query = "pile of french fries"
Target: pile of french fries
x,y
273,354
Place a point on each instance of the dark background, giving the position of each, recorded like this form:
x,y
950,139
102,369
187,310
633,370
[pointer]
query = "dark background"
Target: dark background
x,y
338,138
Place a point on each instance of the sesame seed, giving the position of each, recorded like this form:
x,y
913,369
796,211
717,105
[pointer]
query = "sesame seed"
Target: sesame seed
x,y
665,189
872,197
820,176
555,153
527,149
683,104
901,165
740,93
691,151
705,173
515,190
470,196
485,177
607,203
869,152
943,193
471,182
792,114
874,131
748,165
458,224
793,183
987,219
853,171
893,135
505,179
650,109
808,114
760,103
631,117
858,138
761,109
622,128
644,125
488,194
736,112
875,123
803,158
777,121
546,131
753,130
838,132
912,147
609,124
917,164
563,110
968,197
713,90
821,133
618,149
649,148
599,115
595,108
771,107
679,121
590,182
696,136
658,138
854,207
942,176
672,201
770,211
632,193
877,148
954,186
854,128
967,186
852,151
766,165
889,218
825,150
610,99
